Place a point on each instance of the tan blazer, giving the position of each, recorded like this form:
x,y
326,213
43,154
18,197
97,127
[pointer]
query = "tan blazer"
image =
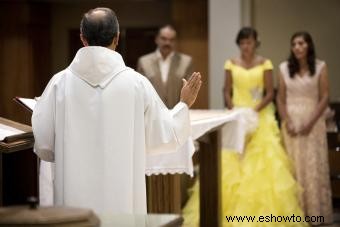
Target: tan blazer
x,y
180,67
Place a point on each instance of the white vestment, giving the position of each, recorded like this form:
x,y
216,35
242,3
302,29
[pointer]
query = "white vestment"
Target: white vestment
x,y
98,121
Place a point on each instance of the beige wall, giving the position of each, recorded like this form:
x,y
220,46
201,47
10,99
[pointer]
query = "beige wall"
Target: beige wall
x,y
67,15
225,19
277,20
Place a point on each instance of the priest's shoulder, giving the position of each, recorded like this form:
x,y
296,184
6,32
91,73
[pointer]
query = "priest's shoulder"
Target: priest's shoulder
x,y
57,77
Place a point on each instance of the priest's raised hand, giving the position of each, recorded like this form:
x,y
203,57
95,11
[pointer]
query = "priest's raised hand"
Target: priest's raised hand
x,y
191,88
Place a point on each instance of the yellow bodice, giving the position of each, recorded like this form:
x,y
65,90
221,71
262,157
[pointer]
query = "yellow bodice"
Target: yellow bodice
x,y
248,84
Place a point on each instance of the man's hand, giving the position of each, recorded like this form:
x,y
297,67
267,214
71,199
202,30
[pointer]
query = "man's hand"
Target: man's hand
x,y
191,88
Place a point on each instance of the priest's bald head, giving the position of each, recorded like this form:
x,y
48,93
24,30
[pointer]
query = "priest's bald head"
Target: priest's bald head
x,y
99,27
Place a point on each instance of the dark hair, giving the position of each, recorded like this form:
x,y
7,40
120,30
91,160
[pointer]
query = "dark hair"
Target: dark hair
x,y
245,33
293,63
99,30
170,26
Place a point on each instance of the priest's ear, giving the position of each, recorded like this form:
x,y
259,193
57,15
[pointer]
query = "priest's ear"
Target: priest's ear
x,y
83,40
116,39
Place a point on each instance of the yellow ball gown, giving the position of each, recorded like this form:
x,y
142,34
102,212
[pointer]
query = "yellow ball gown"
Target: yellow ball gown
x,y
259,182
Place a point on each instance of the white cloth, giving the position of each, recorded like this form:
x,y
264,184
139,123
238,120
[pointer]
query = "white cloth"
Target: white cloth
x,y
237,123
164,65
97,121
234,133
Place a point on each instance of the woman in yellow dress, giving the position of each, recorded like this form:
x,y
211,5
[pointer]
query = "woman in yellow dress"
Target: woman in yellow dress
x,y
260,182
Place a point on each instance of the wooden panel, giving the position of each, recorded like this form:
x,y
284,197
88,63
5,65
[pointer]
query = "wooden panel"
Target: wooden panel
x,y
135,42
335,185
334,162
336,107
210,178
20,177
190,18
24,55
164,194
1,181
24,71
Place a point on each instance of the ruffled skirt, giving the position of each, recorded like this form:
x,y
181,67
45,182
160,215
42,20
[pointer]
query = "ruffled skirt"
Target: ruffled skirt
x,y
258,185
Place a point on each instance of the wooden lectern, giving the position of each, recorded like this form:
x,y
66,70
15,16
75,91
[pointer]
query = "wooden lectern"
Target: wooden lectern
x,y
18,165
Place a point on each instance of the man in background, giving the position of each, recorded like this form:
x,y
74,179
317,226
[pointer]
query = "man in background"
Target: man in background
x,y
165,67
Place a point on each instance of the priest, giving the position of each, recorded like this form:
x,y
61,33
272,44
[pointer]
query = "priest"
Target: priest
x,y
98,120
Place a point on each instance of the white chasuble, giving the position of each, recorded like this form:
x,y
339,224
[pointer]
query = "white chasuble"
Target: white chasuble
x,y
98,121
